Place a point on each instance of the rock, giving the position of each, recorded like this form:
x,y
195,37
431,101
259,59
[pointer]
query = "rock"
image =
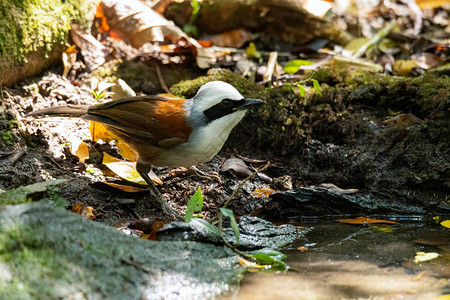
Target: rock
x,y
55,254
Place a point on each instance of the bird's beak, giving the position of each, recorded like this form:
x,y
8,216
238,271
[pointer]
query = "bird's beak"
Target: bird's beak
x,y
251,103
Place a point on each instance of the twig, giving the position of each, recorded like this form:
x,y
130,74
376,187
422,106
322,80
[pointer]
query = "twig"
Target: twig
x,y
239,187
271,65
14,156
162,83
376,39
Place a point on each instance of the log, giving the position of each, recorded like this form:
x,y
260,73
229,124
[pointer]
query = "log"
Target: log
x,y
33,34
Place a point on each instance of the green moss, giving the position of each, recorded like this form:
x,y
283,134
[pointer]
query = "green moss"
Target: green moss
x,y
30,25
7,138
188,88
425,96
20,250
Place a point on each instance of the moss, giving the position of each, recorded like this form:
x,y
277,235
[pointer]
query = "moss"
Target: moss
x,y
188,88
425,96
30,25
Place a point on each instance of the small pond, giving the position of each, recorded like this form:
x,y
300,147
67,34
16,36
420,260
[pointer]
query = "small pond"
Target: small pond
x,y
345,261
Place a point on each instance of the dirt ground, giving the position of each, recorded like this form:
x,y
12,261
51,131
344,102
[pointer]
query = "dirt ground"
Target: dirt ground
x,y
405,164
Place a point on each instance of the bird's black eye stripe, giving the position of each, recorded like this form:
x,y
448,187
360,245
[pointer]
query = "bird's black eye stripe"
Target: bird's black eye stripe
x,y
223,108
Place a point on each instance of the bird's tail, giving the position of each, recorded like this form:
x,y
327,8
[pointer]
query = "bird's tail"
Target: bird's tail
x,y
64,110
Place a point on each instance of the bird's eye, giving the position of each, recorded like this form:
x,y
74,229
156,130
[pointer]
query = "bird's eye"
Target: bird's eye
x,y
227,103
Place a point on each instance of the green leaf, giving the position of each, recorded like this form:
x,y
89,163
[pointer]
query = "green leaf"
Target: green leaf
x,y
270,257
194,204
210,228
273,253
229,213
301,90
293,66
264,259
316,86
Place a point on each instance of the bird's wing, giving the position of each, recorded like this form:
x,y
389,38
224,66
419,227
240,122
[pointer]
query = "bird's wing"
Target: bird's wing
x,y
157,120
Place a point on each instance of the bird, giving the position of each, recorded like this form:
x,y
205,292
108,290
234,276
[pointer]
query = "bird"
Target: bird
x,y
168,131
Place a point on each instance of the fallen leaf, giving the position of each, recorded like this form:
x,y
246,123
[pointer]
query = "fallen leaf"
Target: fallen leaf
x,y
234,38
78,148
93,52
428,61
263,192
383,228
99,132
135,23
403,120
293,66
404,67
127,170
333,188
120,189
252,52
424,256
430,4
446,223
364,220
69,57
250,264
87,212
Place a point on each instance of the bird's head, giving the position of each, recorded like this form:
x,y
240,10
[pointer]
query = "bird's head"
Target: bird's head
x,y
218,100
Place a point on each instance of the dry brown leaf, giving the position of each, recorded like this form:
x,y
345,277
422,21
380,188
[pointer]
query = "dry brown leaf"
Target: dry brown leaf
x,y
333,188
402,120
136,23
87,212
93,51
428,61
235,38
78,148
364,220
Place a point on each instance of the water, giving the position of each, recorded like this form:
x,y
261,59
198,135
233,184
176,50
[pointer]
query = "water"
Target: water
x,y
344,261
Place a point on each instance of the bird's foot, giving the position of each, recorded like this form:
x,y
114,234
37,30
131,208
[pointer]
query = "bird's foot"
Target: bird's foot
x,y
195,171
166,208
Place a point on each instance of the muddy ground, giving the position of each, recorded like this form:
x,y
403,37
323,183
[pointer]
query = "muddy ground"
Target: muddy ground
x,y
345,137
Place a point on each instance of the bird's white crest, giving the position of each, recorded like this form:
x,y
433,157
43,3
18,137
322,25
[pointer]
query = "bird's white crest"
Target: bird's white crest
x,y
214,92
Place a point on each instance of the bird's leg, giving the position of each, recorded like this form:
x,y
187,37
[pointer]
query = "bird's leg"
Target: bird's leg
x,y
195,171
143,170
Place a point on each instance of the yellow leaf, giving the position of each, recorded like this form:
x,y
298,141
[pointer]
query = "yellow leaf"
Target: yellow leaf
x,y
446,223
383,228
99,132
252,52
443,297
127,170
404,67
78,148
249,264
263,192
424,256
